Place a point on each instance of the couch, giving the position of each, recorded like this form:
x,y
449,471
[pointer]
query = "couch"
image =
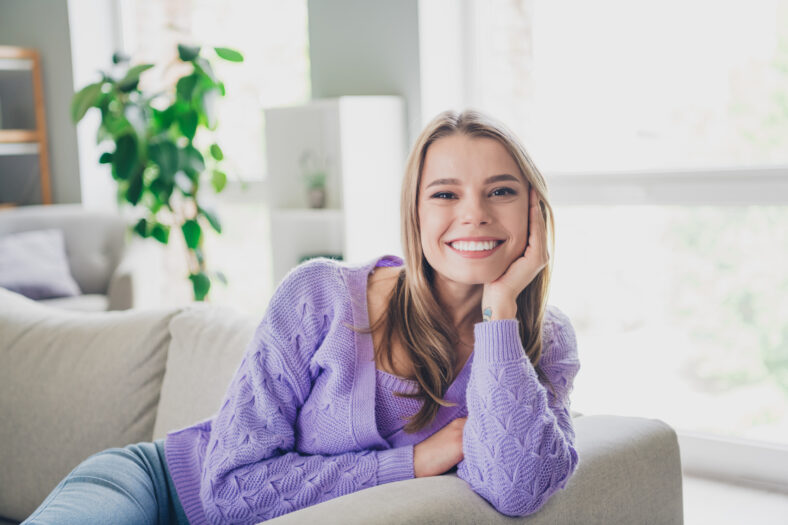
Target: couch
x,y
112,271
72,384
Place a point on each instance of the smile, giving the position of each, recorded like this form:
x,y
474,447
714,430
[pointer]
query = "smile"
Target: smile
x,y
475,250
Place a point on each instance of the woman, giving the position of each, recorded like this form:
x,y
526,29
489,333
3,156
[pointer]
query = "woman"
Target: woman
x,y
360,375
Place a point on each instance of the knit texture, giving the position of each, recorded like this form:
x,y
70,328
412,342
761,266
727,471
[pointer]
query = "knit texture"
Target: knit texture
x,y
298,423
391,410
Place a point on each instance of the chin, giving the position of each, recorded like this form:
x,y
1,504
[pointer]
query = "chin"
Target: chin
x,y
472,275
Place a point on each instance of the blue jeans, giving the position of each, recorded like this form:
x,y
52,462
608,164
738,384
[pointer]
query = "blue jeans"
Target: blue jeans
x,y
119,485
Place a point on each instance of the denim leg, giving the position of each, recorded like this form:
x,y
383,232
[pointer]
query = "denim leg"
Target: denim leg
x,y
127,485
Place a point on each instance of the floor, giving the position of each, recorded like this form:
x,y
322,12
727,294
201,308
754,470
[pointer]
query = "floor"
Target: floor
x,y
713,502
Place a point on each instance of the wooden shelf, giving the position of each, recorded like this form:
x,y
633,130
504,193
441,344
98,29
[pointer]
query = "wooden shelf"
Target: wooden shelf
x,y
18,135
28,141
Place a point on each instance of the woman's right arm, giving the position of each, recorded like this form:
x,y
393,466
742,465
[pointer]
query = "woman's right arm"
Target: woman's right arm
x,y
251,472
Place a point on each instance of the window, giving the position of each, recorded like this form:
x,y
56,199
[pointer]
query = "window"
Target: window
x,y
273,37
618,85
662,130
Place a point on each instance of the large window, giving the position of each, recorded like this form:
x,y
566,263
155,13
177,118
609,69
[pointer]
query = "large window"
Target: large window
x,y
662,130
273,37
271,34
633,85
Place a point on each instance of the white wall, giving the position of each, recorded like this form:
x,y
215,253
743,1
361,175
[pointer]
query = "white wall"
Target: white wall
x,y
367,47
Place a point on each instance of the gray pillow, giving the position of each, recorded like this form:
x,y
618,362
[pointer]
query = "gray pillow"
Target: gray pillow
x,y
71,384
34,264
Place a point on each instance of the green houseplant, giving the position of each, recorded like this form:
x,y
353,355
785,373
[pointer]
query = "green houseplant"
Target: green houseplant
x,y
155,161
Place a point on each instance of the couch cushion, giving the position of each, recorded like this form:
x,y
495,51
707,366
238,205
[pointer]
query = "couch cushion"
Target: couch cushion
x,y
71,384
207,345
35,265
90,302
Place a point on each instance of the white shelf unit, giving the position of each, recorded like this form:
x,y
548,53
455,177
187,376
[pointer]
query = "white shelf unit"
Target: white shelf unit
x,y
361,139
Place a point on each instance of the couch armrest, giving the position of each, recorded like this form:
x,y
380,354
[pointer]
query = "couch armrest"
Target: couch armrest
x,y
629,472
136,281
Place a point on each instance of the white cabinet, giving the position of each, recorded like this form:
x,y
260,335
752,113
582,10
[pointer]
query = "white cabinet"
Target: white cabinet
x,y
360,140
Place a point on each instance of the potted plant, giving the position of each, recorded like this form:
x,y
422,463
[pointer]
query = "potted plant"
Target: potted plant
x,y
314,174
163,149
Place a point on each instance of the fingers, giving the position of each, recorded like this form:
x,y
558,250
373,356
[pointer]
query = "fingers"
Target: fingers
x,y
538,231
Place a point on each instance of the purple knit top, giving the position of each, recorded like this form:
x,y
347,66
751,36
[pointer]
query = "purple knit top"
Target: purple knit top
x,y
298,424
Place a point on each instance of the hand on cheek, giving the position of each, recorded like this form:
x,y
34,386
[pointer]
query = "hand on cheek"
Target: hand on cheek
x,y
499,297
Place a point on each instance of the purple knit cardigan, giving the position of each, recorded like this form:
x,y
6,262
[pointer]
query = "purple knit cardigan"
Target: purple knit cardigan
x,y
297,424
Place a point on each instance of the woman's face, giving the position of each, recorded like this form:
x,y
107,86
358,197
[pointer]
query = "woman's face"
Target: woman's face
x,y
472,190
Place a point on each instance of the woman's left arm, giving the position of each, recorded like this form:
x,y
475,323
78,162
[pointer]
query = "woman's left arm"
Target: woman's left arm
x,y
518,441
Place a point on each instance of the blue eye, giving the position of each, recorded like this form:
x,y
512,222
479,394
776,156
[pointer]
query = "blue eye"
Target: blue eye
x,y
438,195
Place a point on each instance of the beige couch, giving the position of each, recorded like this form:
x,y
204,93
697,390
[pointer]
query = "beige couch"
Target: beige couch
x,y
73,384
113,270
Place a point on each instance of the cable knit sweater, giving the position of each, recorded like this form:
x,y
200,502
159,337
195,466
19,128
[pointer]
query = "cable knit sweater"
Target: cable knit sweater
x,y
298,424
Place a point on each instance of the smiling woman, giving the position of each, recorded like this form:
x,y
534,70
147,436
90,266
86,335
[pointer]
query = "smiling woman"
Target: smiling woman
x,y
310,414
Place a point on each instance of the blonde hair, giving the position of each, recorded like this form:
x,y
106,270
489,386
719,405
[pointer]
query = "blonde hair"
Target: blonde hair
x,y
414,315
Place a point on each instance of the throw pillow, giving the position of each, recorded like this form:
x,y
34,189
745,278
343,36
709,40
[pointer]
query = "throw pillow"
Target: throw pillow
x,y
34,264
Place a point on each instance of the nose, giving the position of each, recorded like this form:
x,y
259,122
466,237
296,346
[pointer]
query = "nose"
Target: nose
x,y
474,211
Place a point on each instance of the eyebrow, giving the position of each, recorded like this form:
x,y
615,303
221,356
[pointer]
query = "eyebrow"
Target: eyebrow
x,y
489,180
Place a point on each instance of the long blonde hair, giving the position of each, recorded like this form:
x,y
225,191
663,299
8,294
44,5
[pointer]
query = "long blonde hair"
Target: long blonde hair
x,y
414,315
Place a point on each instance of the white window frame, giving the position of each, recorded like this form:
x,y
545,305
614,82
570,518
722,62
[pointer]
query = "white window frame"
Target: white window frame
x,y
758,464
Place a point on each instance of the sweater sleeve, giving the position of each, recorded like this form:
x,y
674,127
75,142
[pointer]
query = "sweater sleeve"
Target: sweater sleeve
x,y
251,471
518,441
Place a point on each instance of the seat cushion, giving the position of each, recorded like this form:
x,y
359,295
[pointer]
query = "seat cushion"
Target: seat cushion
x,y
71,384
91,302
207,345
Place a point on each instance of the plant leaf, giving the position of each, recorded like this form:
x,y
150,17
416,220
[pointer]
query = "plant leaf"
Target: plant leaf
x,y
212,218
209,108
185,87
84,100
125,158
201,285
229,54
131,79
187,122
191,233
134,191
188,53
160,232
141,228
191,161
165,155
218,180
205,66
164,119
216,152
106,158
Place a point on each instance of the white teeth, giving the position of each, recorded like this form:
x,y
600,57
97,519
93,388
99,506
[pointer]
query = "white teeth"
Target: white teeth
x,y
465,246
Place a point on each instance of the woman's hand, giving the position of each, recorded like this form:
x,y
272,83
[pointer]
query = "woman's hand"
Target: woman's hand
x,y
439,452
499,297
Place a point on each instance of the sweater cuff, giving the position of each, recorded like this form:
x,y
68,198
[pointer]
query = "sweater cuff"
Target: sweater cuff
x,y
395,464
498,340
